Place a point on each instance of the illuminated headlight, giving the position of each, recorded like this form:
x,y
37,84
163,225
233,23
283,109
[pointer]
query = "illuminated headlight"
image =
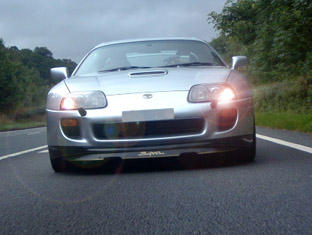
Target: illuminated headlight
x,y
86,100
207,93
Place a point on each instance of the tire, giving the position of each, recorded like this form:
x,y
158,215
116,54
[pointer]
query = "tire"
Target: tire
x,y
57,162
248,153
59,165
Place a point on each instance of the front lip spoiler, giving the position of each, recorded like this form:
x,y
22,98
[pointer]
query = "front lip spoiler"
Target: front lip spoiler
x,y
149,154
159,151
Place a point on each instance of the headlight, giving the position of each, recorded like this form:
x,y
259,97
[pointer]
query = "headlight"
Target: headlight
x,y
207,93
86,100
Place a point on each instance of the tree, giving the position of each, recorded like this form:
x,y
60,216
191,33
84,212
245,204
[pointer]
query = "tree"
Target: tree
x,y
18,84
43,51
1,43
25,76
275,34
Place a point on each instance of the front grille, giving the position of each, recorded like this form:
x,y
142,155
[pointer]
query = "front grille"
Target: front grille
x,y
148,129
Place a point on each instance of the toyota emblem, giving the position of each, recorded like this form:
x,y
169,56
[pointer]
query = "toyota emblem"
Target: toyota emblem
x,y
147,96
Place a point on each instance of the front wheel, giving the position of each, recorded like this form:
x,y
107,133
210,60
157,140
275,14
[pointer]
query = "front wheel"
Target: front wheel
x,y
59,165
248,153
57,162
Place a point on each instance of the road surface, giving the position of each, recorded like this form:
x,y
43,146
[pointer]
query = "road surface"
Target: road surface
x,y
272,195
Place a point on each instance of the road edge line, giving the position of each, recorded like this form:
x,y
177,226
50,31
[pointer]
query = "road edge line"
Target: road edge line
x,y
22,152
285,143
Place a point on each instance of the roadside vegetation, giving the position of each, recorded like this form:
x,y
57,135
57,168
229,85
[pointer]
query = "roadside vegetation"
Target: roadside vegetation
x,y
7,123
24,83
275,35
285,120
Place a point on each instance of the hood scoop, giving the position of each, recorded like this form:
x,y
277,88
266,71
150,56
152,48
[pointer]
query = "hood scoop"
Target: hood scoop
x,y
148,73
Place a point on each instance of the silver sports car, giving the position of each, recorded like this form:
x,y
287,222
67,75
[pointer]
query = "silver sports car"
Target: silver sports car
x,y
149,98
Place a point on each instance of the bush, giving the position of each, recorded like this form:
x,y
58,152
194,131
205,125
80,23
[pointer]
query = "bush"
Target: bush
x,y
295,96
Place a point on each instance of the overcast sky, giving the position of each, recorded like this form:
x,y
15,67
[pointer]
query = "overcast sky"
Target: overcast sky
x,y
70,28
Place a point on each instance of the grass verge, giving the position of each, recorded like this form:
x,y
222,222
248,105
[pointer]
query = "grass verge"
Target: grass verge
x,y
285,120
7,124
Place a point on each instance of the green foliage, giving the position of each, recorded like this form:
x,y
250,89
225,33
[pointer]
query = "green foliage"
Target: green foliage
x,y
7,123
41,60
228,47
285,120
1,44
294,96
236,20
17,84
25,77
275,35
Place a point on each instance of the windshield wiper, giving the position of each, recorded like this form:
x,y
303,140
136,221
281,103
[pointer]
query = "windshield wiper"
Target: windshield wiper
x,y
190,64
123,68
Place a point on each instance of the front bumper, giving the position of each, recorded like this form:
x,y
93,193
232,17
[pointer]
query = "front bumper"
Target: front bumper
x,y
160,151
207,139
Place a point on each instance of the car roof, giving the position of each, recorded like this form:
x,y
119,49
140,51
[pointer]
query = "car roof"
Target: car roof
x,y
150,39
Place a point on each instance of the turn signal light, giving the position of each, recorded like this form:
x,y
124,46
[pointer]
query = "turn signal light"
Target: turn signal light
x,y
69,122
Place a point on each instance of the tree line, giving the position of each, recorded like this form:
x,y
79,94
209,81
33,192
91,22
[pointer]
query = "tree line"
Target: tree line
x,y
25,76
275,35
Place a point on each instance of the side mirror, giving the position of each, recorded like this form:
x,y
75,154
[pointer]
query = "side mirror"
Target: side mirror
x,y
60,73
239,61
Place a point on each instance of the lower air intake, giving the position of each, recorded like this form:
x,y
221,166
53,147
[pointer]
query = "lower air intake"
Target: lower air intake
x,y
148,129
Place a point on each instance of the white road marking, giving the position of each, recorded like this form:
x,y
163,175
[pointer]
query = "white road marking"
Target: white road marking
x,y
44,151
33,133
286,143
6,134
23,152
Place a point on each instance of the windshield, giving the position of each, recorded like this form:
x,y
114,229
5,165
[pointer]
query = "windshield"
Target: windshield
x,y
148,54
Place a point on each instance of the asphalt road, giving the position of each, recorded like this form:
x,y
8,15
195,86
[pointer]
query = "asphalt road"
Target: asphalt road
x,y
272,195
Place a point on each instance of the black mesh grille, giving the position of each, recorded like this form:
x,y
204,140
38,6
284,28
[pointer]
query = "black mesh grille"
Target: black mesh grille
x,y
148,129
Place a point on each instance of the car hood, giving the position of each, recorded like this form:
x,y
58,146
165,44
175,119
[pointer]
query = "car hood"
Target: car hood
x,y
158,80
